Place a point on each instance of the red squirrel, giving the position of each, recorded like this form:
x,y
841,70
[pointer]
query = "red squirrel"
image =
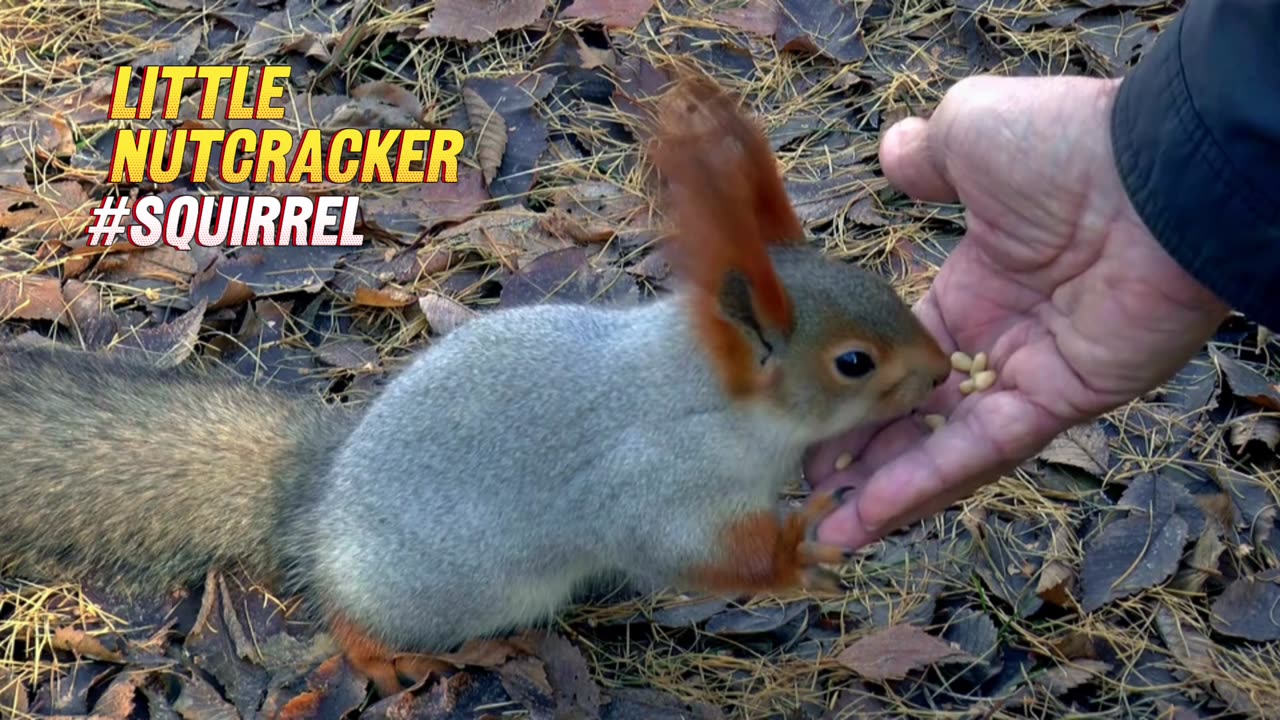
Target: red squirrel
x,y
653,441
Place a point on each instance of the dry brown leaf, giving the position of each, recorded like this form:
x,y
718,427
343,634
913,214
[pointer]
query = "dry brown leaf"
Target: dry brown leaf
x,y
890,653
479,20
391,94
59,211
387,297
1246,382
1130,555
1083,446
829,28
1057,577
443,313
117,702
490,653
13,693
75,640
349,354
167,345
490,130
758,17
609,13
1248,609
1203,563
1254,428
33,297
1194,651
1068,676
512,237
55,137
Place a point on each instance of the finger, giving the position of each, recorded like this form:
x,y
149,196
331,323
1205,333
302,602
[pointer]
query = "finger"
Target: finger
x,y
999,431
912,164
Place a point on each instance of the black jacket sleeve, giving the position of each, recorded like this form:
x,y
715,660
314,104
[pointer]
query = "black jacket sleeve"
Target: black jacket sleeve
x,y
1196,132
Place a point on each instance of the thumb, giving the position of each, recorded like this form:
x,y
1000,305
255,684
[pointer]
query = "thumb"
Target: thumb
x,y
912,165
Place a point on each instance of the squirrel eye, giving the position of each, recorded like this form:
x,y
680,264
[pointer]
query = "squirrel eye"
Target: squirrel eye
x,y
854,364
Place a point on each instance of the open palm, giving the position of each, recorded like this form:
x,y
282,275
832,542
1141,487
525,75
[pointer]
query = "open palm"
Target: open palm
x,y
1056,279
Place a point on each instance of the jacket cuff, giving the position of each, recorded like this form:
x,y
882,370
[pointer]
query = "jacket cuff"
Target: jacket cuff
x,y
1181,134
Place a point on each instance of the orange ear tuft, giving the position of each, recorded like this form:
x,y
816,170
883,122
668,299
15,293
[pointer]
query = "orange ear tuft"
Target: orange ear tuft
x,y
727,203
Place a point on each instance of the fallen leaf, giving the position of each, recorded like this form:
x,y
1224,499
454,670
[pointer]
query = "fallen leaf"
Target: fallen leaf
x,y
611,14
892,652
197,699
13,693
974,632
1069,676
443,313
31,297
574,690
76,640
479,20
758,17
688,614
167,345
1204,560
58,211
212,644
565,275
1082,446
55,138
512,98
118,700
591,212
831,27
348,354
490,130
265,271
300,27
1249,608
508,236
424,206
1195,653
1058,575
1118,39
1260,428
1247,382
387,297
751,621
390,94
1007,558
525,679
1129,555
625,703
490,652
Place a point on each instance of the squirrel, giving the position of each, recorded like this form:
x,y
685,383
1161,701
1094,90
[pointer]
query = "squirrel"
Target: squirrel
x,y
653,441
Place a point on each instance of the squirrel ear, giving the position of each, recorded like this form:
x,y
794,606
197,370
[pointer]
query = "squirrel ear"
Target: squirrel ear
x,y
727,204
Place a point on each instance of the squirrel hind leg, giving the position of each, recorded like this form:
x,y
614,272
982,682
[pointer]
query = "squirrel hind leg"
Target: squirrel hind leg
x,y
367,656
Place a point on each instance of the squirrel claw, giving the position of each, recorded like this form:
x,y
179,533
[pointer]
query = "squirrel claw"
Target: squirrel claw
x,y
823,581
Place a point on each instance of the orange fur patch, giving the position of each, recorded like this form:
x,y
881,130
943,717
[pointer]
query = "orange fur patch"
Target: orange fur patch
x,y
728,204
368,656
763,553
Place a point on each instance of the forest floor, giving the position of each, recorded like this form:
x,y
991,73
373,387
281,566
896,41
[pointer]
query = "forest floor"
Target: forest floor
x,y
1129,570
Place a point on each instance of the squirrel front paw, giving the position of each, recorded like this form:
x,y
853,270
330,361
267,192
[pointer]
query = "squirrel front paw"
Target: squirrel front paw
x,y
763,552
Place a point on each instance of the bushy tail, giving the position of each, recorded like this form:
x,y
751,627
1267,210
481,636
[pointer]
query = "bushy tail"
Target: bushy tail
x,y
149,476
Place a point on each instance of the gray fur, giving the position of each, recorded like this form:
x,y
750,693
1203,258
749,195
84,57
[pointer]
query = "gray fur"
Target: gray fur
x,y
530,451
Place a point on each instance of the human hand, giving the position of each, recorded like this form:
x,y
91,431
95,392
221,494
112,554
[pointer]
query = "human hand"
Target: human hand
x,y
1057,279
